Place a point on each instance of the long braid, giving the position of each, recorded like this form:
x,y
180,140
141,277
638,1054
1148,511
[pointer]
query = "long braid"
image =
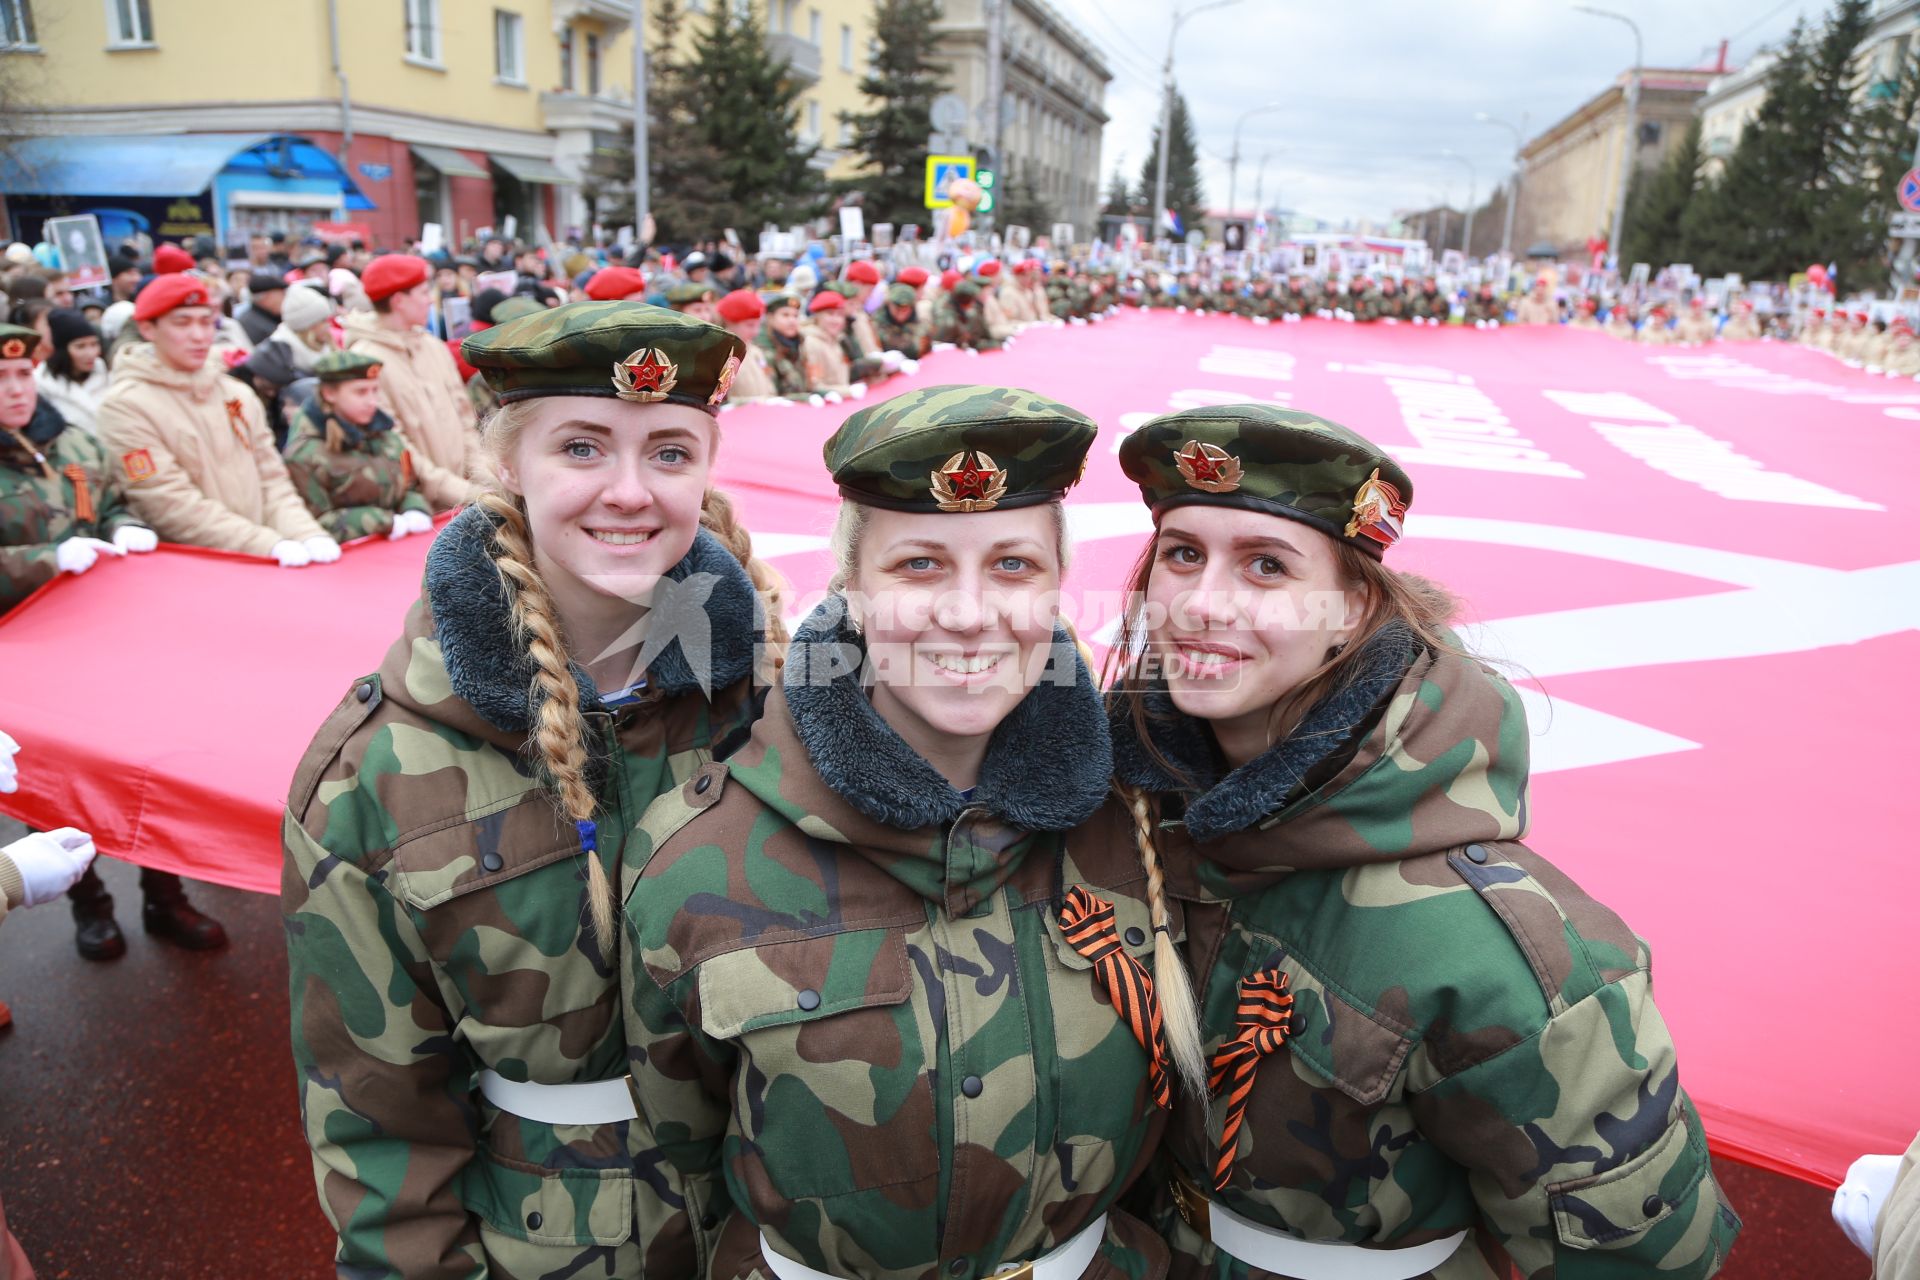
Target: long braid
x,y
718,517
1178,1013
558,732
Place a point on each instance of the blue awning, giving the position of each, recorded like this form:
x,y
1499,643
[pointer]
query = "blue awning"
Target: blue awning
x,y
163,164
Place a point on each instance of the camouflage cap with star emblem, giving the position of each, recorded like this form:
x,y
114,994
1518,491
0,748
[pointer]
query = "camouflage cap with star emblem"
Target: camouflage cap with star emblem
x,y
345,366
626,349
1281,461
960,449
17,342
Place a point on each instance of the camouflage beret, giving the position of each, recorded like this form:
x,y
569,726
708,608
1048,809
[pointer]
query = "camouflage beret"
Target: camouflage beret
x,y
515,306
960,449
345,366
781,301
1281,461
683,294
626,349
17,342
901,295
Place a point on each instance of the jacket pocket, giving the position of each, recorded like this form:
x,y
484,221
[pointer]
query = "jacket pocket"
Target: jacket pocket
x,y
832,1091
525,1207
511,835
1616,1209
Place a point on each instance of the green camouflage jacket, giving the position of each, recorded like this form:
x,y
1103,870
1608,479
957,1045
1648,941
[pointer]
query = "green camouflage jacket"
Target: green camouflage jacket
x,y
1059,296
38,512
790,375
436,922
910,339
963,328
861,367
855,1023
353,493
1473,1041
1429,306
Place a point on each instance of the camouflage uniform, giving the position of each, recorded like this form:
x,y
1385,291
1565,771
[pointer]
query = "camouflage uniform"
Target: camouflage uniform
x,y
1227,299
38,512
356,492
962,326
791,377
1472,1044
910,338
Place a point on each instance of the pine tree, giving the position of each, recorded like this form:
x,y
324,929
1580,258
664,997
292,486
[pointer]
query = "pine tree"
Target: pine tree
x,y
902,82
1119,197
1184,195
1019,203
1888,151
748,117
1657,207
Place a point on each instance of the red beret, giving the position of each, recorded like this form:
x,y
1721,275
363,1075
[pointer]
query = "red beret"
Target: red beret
x,y
176,289
611,284
1024,267
390,273
741,304
863,272
170,258
990,268
915,276
949,278
826,300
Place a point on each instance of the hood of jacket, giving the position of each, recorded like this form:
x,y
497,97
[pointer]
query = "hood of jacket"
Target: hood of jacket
x,y
16,448
1418,751
142,363
367,326
823,758
314,415
465,608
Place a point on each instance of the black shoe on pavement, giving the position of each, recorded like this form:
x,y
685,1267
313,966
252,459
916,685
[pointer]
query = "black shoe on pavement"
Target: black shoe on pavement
x,y
96,933
171,918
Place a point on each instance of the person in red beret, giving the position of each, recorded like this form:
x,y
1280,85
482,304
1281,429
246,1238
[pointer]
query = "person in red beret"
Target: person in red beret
x,y
420,386
742,313
613,284
1742,326
822,346
864,277
912,277
171,259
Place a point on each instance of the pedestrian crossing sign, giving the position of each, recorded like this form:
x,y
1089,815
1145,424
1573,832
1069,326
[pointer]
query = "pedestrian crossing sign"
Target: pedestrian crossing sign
x,y
941,171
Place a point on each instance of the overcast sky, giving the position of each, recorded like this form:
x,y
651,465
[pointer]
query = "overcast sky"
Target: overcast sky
x,y
1370,92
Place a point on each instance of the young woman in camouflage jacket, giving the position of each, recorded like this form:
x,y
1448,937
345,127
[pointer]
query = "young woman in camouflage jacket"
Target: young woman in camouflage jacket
x,y
348,460
452,830
1422,1050
886,1020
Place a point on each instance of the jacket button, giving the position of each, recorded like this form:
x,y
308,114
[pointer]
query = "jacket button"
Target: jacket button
x,y
363,690
533,1221
709,1222
493,861
808,1000
973,1086
1476,853
957,1267
1135,936
1297,1024
700,787
1652,1206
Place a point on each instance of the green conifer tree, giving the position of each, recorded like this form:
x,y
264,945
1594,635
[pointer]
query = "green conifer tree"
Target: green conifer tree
x,y
901,82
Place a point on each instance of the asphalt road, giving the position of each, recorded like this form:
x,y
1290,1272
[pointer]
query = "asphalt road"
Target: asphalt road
x,y
149,1127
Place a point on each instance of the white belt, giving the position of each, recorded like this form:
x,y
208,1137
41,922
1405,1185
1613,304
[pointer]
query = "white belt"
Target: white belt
x,y
595,1102
1280,1252
1069,1262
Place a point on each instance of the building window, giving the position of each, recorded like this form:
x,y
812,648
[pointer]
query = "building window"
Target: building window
x,y
423,30
813,120
566,59
509,52
16,24
813,28
129,22
593,64
846,47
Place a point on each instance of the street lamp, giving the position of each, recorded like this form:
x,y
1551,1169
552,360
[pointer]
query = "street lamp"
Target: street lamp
x,y
1629,147
1233,163
1473,183
1166,108
1513,193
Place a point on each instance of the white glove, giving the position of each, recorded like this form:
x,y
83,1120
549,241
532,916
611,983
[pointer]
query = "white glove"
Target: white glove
x,y
290,554
973,351
1180,310
832,397
1260,320
891,360
909,365
76,555
1857,1204
857,391
137,538
406,522
1006,344
9,771
50,862
817,401
943,346
322,550
780,401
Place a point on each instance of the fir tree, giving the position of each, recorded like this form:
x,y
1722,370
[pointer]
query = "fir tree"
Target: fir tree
x,y
748,118
1184,195
1657,207
902,82
1888,150
1119,198
1019,203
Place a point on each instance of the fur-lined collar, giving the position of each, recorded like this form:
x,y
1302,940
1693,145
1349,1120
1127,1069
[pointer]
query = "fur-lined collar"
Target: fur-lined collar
x,y
1047,766
493,672
1218,806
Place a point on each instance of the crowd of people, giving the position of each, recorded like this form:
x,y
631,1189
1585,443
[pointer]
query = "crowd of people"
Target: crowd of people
x,y
905,946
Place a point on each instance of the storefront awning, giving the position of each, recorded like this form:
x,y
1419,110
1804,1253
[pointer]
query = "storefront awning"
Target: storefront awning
x,y
163,164
528,169
447,161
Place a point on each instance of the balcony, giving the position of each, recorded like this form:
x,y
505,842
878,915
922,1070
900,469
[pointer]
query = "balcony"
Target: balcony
x,y
615,15
803,57
560,111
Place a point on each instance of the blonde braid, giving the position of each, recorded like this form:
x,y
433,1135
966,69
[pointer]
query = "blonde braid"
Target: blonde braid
x,y
718,518
558,730
1178,1013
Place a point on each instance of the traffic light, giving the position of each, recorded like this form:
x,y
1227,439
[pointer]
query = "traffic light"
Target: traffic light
x,y
986,173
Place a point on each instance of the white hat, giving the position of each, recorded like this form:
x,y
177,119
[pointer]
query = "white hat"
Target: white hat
x,y
20,253
304,306
114,319
803,278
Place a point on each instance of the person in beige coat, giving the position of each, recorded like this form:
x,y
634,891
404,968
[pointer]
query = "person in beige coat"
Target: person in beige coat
x,y
420,387
1538,306
864,276
1696,326
193,445
1741,325
820,348
741,312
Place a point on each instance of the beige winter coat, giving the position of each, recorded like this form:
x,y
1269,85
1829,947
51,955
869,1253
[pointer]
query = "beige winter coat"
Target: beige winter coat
x,y
1531,310
420,387
860,325
754,380
197,457
827,367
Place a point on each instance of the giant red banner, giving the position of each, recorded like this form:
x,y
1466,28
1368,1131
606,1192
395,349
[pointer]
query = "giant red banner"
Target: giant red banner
x,y
1700,563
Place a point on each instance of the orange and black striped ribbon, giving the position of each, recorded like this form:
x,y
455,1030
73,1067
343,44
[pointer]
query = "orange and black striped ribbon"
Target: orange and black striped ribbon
x,y
237,419
82,496
1264,1018
1087,921
406,469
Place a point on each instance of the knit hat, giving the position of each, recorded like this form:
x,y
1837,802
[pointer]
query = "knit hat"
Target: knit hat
x,y
114,319
67,324
303,307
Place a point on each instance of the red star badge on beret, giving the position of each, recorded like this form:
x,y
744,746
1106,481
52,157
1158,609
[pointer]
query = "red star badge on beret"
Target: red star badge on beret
x,y
970,481
648,370
646,376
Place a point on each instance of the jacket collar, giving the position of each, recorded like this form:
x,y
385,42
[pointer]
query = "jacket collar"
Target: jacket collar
x,y
490,668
